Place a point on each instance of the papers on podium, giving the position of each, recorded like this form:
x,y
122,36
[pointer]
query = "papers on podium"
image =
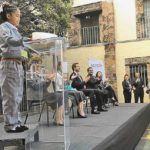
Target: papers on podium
x,y
44,43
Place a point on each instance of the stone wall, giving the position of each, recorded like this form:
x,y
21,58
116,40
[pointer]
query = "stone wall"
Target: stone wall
x,y
75,25
107,33
74,32
108,37
139,21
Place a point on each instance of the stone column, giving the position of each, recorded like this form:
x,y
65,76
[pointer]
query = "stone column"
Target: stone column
x,y
148,72
108,37
139,18
74,32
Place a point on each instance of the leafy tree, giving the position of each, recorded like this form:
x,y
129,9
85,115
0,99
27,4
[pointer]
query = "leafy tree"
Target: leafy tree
x,y
44,15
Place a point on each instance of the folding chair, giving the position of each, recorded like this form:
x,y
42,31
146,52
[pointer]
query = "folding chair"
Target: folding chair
x,y
35,97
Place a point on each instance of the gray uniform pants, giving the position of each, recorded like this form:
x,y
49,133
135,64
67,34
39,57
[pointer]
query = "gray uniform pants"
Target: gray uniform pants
x,y
11,82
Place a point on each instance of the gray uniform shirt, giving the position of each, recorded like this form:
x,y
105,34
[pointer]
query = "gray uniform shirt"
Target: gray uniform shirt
x,y
10,41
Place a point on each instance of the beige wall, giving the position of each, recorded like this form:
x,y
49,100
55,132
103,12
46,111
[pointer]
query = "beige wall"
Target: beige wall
x,y
125,19
129,50
82,55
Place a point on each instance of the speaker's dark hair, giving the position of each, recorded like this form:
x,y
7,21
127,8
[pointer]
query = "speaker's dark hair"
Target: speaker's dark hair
x,y
7,9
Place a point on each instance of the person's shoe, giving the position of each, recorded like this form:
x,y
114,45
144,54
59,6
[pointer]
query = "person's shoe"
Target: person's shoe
x,y
116,104
24,127
95,112
16,130
106,106
61,124
58,124
80,116
102,109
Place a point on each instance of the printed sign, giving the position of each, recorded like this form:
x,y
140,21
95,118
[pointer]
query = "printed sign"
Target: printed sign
x,y
97,65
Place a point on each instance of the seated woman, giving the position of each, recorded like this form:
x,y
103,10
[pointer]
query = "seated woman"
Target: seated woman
x,y
78,96
107,89
111,92
77,99
37,88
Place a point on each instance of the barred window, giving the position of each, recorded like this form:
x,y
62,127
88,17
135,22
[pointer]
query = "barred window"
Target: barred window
x,y
90,35
90,28
142,69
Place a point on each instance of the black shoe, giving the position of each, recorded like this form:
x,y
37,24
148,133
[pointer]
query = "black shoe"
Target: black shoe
x,y
105,106
80,116
116,104
95,112
16,130
61,124
24,127
102,109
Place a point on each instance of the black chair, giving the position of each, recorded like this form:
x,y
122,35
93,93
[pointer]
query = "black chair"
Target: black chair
x,y
37,95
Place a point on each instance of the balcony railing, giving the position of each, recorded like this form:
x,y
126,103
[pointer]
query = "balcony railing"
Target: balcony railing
x,y
90,35
144,27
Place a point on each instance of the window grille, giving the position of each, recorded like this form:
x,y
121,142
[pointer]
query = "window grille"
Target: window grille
x,y
142,69
90,35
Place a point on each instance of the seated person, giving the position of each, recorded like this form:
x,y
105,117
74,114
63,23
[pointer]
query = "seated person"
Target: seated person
x,y
79,84
37,88
101,86
77,96
92,84
111,92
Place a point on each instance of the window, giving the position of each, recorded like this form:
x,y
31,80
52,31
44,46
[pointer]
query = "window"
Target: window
x,y
90,30
90,35
145,21
142,69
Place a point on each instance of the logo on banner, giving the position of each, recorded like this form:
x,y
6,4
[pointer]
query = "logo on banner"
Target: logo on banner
x,y
97,65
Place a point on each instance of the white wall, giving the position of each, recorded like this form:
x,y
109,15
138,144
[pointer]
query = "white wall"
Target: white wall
x,y
125,19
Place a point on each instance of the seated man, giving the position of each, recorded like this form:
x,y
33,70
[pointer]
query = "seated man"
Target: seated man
x,y
80,84
92,84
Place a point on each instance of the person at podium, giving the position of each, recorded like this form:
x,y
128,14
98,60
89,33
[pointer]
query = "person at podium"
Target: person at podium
x,y
11,69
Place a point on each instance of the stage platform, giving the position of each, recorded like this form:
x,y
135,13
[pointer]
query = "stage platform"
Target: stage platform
x,y
112,130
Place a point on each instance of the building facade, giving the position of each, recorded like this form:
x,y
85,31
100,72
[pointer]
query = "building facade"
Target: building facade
x,y
116,32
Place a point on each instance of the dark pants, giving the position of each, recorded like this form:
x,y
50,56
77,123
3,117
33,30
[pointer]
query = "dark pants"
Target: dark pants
x,y
111,93
139,94
90,93
127,96
99,98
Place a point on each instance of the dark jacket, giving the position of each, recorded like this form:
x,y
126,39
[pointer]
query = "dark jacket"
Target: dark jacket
x,y
138,85
92,83
77,82
126,86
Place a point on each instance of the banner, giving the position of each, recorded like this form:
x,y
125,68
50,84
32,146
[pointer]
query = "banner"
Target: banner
x,y
97,65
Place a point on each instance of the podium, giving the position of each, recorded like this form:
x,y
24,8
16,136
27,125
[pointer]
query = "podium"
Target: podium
x,y
43,98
